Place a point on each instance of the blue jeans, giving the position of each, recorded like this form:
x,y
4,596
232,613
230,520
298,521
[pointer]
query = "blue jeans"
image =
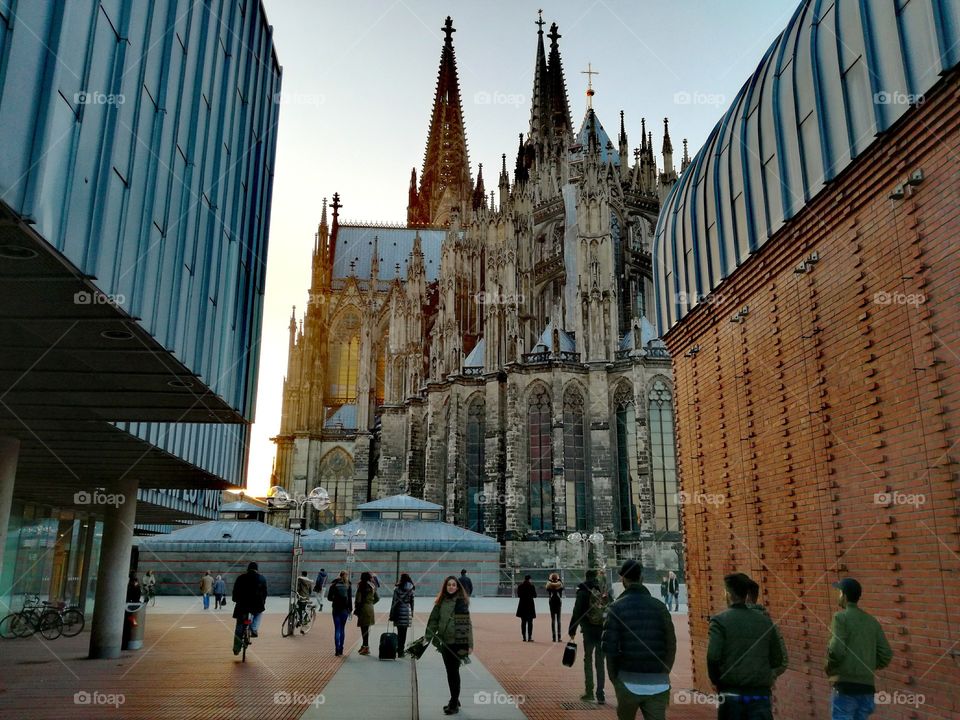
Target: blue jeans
x,y
339,628
254,626
851,707
206,601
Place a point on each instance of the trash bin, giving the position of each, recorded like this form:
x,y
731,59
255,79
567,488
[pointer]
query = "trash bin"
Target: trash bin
x,y
134,622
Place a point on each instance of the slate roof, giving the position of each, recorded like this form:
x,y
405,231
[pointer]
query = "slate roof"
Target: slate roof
x,y
407,536
355,243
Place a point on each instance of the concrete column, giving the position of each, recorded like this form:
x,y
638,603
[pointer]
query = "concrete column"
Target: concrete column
x,y
9,452
113,572
89,539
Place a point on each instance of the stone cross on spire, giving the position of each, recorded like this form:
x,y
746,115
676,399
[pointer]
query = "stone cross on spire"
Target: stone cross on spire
x,y
539,22
448,29
589,72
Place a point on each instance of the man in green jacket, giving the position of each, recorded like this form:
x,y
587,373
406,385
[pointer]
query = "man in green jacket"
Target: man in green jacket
x,y
857,649
742,654
753,595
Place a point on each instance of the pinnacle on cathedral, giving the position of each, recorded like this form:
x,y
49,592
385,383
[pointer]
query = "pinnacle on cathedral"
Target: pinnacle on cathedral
x,y
445,182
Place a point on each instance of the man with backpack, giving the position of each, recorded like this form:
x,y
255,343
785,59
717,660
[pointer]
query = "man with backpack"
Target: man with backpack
x,y
340,596
640,644
589,612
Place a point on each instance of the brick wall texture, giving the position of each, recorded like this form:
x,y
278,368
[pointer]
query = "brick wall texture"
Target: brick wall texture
x,y
818,437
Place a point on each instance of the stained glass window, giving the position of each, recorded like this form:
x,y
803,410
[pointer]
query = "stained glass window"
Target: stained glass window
x,y
541,460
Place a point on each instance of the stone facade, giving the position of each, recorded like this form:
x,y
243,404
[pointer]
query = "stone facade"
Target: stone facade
x,y
496,355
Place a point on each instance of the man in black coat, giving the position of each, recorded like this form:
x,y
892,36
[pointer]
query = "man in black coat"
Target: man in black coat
x,y
466,582
590,594
640,644
250,596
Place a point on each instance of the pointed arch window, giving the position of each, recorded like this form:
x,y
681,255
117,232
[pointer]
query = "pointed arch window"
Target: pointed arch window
x,y
574,460
627,485
343,359
336,469
476,463
663,459
540,449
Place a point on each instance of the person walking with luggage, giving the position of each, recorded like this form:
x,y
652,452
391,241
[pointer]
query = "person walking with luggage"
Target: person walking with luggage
x,y
401,610
589,613
340,596
526,608
466,583
219,592
206,589
450,630
673,592
250,597
366,616
640,644
554,588
742,655
857,649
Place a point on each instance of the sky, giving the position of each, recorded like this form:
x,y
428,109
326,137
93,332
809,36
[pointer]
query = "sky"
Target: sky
x,y
358,85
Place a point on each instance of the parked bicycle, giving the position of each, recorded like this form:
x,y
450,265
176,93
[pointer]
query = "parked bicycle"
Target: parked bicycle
x,y
302,617
35,617
72,617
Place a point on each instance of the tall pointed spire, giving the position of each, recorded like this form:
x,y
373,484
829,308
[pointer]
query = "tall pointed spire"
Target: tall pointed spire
x,y
540,107
445,179
479,194
667,149
520,172
559,105
686,157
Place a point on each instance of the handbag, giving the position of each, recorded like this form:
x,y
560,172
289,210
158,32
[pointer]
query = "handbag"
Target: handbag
x,y
570,654
417,648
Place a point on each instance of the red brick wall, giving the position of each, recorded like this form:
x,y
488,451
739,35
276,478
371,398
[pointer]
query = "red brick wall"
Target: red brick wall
x,y
793,420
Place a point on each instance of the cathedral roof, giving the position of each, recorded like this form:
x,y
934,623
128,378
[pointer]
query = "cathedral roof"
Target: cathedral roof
x,y
475,358
399,502
355,244
345,417
545,343
607,149
831,85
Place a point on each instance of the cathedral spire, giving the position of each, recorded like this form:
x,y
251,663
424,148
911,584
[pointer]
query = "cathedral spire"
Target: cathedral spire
x,y
520,172
479,194
559,106
686,157
667,149
445,179
540,107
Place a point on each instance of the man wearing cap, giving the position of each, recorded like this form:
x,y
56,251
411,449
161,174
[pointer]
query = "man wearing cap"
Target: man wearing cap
x,y
640,645
742,654
857,649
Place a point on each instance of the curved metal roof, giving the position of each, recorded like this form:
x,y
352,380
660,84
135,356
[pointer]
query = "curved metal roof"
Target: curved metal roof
x,y
840,75
399,502
406,536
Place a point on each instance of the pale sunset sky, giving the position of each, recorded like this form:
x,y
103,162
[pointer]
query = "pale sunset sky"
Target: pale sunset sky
x,y
358,84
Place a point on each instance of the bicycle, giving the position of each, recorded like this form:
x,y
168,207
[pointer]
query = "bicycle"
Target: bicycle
x,y
246,639
72,617
34,617
150,595
303,617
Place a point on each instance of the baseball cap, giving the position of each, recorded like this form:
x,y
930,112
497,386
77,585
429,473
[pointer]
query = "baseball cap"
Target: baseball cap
x,y
849,587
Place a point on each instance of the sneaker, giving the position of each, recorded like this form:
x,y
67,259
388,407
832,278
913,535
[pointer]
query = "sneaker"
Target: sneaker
x,y
601,700
587,697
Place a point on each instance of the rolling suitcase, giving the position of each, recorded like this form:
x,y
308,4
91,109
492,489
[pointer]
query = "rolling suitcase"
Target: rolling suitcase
x,y
388,646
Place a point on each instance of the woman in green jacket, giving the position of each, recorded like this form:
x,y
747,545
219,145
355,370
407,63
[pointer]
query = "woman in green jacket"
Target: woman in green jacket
x,y
363,608
449,629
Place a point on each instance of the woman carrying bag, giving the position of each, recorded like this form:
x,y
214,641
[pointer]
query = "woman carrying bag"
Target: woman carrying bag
x,y
449,630
366,598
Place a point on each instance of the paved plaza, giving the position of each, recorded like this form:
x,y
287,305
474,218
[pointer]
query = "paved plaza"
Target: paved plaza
x,y
187,671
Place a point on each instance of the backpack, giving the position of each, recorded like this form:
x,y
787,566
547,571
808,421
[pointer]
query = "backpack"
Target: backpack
x,y
339,593
599,600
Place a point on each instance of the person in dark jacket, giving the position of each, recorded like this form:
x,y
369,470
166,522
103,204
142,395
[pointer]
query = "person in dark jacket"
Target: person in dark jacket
x,y
250,597
640,644
367,597
742,654
590,594
554,588
401,610
134,594
753,595
857,649
466,583
450,630
340,596
664,589
526,608
220,592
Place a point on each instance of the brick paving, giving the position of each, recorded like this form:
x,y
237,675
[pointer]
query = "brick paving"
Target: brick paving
x,y
551,691
185,671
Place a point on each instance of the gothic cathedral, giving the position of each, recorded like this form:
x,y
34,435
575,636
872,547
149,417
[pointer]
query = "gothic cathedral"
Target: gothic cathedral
x,y
495,354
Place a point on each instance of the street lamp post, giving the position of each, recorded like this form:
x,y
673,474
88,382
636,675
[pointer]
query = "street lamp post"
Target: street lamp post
x,y
349,541
594,539
279,498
